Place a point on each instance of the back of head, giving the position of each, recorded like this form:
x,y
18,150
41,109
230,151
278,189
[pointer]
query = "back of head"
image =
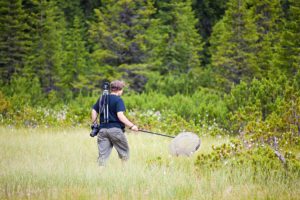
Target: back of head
x,y
117,85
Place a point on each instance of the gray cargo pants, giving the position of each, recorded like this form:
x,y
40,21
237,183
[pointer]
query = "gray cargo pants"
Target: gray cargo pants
x,y
109,138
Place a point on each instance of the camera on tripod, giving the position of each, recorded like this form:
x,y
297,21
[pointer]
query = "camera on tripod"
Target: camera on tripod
x,y
106,87
103,108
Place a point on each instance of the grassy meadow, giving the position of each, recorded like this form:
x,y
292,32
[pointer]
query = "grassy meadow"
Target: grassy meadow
x,y
62,164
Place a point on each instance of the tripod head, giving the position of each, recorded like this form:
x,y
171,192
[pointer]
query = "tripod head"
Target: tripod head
x,y
106,88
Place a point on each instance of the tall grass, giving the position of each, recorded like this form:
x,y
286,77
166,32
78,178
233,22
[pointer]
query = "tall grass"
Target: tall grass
x,y
61,164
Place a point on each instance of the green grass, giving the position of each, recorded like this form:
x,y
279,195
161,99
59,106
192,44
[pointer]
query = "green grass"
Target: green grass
x,y
62,164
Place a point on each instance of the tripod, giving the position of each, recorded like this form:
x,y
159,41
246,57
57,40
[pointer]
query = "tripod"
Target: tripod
x,y
103,103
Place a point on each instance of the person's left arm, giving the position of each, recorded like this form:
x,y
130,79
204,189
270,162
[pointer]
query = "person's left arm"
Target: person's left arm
x,y
121,116
126,121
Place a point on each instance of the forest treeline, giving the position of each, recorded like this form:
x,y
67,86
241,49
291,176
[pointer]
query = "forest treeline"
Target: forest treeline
x,y
71,47
229,62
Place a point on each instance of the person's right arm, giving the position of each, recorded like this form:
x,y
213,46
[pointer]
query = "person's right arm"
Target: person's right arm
x,y
94,116
94,113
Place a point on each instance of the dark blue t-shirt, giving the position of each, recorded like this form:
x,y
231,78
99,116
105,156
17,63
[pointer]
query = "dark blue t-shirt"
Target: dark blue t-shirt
x,y
115,105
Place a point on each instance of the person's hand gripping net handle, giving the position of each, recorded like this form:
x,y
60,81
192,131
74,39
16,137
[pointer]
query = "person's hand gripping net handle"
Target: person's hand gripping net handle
x,y
134,128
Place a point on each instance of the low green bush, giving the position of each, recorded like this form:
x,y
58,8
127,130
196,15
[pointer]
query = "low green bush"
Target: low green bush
x,y
259,100
184,83
203,107
260,159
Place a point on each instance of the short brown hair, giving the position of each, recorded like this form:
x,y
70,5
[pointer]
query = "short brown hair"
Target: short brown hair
x,y
117,85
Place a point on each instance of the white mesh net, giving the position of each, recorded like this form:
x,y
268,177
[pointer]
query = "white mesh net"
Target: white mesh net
x,y
184,144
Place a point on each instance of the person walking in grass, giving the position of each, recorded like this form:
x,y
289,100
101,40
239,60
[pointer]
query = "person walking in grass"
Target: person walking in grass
x,y
112,128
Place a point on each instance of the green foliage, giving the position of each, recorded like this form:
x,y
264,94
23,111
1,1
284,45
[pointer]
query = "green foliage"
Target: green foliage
x,y
243,42
266,112
47,55
202,113
76,72
232,43
132,39
261,160
155,112
119,36
204,105
14,38
184,83
4,103
24,91
287,54
267,16
280,129
167,122
173,84
72,9
257,100
181,45
208,13
50,114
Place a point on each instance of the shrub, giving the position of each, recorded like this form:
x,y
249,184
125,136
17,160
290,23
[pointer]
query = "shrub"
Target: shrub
x,y
24,91
257,101
5,104
184,83
203,107
261,159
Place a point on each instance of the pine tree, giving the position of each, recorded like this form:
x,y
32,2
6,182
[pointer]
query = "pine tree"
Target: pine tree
x,y
88,7
47,54
76,67
119,37
232,45
181,45
267,17
71,9
288,49
208,14
14,38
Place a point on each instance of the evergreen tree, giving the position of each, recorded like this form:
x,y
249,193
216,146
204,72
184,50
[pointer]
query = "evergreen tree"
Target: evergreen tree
x,y
181,45
47,54
71,9
88,7
14,38
75,69
267,17
233,49
208,14
288,49
119,37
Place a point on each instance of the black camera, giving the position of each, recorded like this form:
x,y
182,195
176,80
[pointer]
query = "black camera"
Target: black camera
x,y
105,88
106,85
95,129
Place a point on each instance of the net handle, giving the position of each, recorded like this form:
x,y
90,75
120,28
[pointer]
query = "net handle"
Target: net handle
x,y
156,133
